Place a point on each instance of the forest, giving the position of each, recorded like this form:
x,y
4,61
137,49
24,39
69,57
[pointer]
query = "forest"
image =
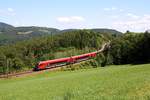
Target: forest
x,y
25,54
127,48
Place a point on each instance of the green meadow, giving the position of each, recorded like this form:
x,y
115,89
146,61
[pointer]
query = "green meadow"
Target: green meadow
x,y
122,82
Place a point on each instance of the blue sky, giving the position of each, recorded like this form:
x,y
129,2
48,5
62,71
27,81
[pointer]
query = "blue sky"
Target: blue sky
x,y
133,15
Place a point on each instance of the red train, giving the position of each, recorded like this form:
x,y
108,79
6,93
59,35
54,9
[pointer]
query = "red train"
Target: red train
x,y
63,61
69,60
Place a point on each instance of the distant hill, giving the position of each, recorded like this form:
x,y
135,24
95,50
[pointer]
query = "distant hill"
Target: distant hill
x,y
112,31
100,30
148,31
68,30
11,34
35,30
5,27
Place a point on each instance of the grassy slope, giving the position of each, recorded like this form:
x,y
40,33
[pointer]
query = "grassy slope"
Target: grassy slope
x,y
116,82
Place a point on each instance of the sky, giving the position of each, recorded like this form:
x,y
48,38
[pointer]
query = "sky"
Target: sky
x,y
122,15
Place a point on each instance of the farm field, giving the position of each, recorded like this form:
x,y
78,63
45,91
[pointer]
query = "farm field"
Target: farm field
x,y
122,82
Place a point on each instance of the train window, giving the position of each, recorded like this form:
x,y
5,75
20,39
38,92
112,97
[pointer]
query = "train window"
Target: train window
x,y
61,64
51,65
82,58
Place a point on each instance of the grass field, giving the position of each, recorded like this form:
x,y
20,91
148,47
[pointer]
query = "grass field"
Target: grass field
x,y
126,82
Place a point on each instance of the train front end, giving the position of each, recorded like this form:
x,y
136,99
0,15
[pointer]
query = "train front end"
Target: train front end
x,y
36,67
39,66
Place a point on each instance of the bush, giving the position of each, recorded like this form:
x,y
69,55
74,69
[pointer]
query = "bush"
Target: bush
x,y
18,64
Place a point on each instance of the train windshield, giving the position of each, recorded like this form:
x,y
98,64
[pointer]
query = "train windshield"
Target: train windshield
x,y
36,67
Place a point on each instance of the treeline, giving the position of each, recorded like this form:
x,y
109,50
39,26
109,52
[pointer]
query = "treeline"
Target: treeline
x,y
131,48
24,55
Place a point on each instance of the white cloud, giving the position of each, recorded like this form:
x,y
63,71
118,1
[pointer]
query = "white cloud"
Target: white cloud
x,y
110,9
113,8
137,23
71,19
121,10
115,16
7,12
107,9
133,16
10,9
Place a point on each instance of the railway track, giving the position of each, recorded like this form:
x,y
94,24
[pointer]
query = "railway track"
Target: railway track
x,y
29,72
16,74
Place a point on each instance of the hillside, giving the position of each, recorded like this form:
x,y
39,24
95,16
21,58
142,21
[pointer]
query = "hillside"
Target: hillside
x,y
11,34
99,30
112,31
124,82
5,27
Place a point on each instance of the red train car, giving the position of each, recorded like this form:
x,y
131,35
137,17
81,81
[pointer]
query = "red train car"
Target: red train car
x,y
63,61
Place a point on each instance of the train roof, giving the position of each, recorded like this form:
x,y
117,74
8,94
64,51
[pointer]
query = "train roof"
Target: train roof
x,y
65,59
55,60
